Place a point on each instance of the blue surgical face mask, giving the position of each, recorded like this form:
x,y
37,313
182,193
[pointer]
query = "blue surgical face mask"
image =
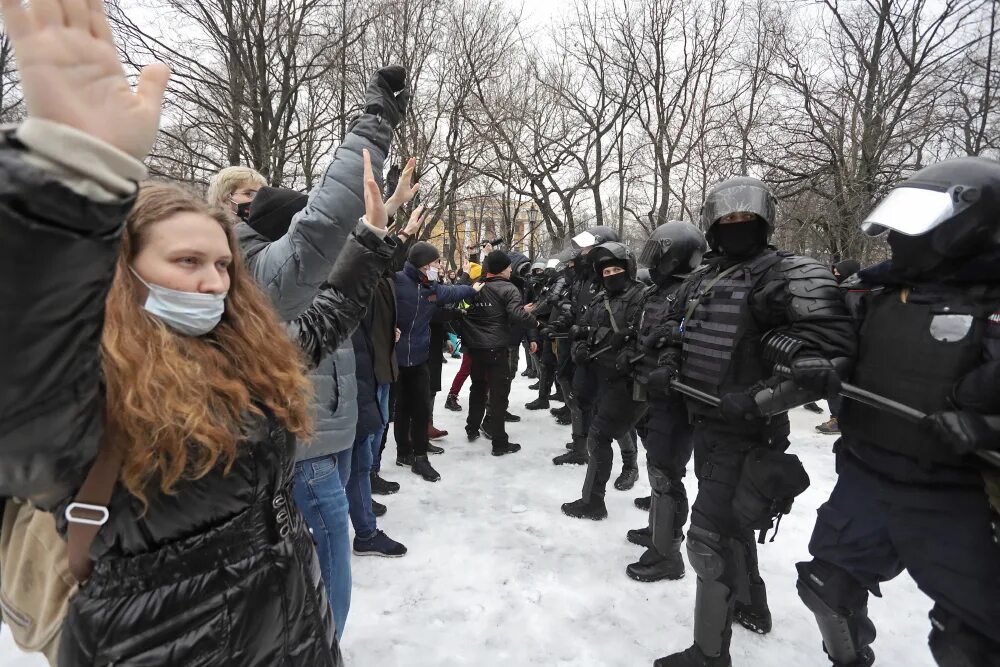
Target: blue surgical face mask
x,y
188,313
432,274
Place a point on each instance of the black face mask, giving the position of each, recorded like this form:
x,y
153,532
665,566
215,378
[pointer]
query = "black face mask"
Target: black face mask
x,y
243,211
912,255
617,283
740,239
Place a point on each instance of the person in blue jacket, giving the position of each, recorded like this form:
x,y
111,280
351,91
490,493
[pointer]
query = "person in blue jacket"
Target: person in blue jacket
x,y
418,296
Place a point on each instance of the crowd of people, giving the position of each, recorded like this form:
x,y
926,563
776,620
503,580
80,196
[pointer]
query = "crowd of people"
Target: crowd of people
x,y
198,389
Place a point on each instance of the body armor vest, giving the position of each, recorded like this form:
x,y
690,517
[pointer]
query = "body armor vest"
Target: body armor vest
x,y
721,340
608,315
914,351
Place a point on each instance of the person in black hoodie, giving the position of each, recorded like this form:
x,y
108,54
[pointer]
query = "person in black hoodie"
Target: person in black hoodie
x,y
491,315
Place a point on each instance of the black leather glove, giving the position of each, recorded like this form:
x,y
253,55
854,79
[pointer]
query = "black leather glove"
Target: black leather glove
x,y
619,338
623,362
739,408
580,353
964,431
816,374
388,95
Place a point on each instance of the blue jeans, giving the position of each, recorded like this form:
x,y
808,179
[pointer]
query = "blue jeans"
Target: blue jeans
x,y
359,488
319,493
376,438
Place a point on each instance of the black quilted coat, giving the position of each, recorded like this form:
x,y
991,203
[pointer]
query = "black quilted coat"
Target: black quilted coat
x,y
223,572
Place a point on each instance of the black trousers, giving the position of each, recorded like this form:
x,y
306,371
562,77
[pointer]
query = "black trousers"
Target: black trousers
x,y
607,397
412,412
490,374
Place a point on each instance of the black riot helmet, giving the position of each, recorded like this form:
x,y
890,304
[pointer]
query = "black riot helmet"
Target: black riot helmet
x,y
613,252
594,236
674,248
538,267
740,194
947,211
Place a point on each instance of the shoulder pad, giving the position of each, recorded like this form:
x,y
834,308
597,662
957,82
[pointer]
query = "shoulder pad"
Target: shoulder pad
x,y
812,288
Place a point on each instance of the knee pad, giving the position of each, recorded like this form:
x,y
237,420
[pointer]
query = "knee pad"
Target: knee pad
x,y
839,603
705,554
955,644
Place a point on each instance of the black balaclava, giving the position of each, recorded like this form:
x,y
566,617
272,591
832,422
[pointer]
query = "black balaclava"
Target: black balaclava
x,y
740,240
617,283
912,255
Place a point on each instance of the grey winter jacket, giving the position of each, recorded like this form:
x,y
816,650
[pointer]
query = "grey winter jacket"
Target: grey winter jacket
x,y
292,270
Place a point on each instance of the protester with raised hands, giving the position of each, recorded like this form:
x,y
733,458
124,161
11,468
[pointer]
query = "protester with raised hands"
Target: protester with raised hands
x,y
142,341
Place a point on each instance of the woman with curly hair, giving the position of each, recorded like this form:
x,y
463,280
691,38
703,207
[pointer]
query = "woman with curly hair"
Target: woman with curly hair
x,y
135,337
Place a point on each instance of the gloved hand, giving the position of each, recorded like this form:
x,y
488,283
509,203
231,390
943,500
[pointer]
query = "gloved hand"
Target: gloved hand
x,y
388,95
623,362
580,353
964,431
659,378
739,408
816,374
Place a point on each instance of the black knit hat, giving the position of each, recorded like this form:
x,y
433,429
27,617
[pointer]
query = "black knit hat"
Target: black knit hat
x,y
496,262
847,268
422,253
272,210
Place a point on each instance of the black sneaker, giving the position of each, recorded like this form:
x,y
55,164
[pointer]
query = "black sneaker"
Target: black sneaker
x,y
511,418
627,479
486,431
452,403
581,509
693,657
560,412
378,544
404,461
538,404
641,537
383,487
812,407
643,503
472,434
378,509
434,449
422,467
572,458
507,448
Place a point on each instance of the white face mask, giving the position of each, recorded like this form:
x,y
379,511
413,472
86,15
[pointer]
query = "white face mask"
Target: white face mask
x,y
188,313
432,274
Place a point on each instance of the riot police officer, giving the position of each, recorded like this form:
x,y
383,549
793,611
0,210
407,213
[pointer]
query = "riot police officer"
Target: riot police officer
x,y
729,307
910,495
578,300
543,279
603,350
674,250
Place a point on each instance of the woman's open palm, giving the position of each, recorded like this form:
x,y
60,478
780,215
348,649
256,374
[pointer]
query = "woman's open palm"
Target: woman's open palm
x,y
71,73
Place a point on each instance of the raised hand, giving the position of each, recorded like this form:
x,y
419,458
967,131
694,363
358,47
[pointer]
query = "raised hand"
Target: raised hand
x,y
417,219
71,74
406,189
375,212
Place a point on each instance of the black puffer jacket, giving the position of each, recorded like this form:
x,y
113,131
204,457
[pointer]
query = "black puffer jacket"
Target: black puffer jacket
x,y
223,571
493,313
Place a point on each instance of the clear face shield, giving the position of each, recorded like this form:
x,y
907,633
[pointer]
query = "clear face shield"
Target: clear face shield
x,y
584,241
914,211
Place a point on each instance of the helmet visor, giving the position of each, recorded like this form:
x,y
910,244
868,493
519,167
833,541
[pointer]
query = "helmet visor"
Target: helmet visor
x,y
741,199
652,251
910,211
584,240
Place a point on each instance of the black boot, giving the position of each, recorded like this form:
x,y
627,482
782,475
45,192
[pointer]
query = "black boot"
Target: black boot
x,y
472,434
642,503
557,395
404,461
582,509
755,616
452,403
509,418
378,509
486,430
693,657
560,413
641,537
535,386
654,566
422,467
537,404
434,449
812,407
530,373
505,448
575,456
627,479
383,487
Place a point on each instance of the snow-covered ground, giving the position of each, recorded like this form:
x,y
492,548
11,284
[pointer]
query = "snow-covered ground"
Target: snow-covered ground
x,y
497,576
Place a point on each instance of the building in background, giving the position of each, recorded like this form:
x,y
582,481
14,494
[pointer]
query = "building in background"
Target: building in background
x,y
484,218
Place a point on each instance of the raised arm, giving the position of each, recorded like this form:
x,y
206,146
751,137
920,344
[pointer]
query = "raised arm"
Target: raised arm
x,y
67,181
292,269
